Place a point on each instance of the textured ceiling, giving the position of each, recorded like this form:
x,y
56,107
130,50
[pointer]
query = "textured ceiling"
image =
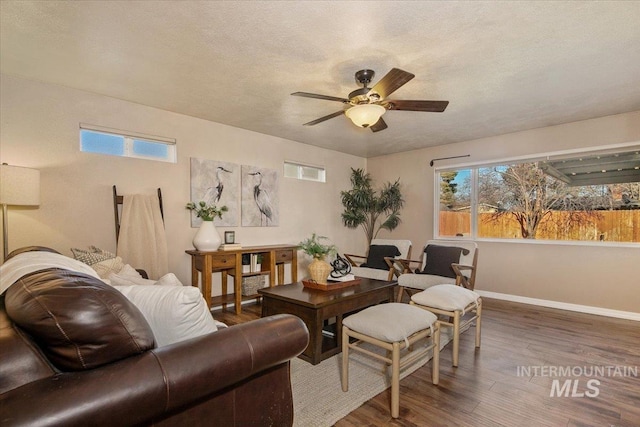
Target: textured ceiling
x,y
504,66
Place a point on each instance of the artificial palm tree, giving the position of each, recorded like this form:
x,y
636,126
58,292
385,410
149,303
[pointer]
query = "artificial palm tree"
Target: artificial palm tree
x,y
372,210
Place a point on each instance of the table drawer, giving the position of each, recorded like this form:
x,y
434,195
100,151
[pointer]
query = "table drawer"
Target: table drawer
x,y
223,261
284,256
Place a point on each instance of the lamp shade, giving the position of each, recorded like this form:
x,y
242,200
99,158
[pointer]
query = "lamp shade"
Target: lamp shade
x,y
19,186
365,115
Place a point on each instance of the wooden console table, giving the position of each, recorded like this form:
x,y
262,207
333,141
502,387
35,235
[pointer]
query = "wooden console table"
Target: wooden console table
x,y
230,263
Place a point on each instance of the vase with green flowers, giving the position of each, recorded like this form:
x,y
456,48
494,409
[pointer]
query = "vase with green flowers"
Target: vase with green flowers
x,y
207,237
319,269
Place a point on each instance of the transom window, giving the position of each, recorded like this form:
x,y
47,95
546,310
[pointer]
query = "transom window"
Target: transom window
x,y
587,197
101,140
304,172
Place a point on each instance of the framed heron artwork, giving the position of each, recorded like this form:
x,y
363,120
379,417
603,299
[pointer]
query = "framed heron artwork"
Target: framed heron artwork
x,y
216,183
260,197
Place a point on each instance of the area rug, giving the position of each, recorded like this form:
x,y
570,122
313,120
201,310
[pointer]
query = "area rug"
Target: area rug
x,y
318,399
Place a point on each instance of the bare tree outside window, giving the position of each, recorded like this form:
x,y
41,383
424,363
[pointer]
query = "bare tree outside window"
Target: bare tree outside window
x,y
524,192
544,200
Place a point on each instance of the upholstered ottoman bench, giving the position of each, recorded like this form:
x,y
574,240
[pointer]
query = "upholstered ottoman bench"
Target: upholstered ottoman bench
x,y
454,302
393,327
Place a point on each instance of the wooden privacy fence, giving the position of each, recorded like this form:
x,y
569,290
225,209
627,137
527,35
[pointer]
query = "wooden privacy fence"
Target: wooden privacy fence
x,y
614,226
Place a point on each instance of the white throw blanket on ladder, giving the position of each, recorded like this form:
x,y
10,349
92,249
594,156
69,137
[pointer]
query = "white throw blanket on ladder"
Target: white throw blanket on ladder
x,y
142,242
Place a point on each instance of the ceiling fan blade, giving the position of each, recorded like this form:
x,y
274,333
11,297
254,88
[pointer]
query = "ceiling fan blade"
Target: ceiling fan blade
x,y
430,106
316,96
379,125
322,119
391,82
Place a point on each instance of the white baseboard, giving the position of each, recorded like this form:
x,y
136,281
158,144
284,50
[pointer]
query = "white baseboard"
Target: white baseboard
x,y
629,315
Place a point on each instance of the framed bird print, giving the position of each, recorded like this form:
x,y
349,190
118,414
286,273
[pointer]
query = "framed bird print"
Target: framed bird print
x,y
260,197
216,183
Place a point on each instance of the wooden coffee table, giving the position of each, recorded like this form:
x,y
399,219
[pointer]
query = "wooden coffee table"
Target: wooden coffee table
x,y
315,307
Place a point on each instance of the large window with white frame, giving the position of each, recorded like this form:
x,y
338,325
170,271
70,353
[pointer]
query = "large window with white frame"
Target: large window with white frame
x,y
587,197
114,142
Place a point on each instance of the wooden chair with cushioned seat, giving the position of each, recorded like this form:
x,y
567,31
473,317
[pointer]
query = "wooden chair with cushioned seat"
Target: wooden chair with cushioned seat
x,y
374,265
442,262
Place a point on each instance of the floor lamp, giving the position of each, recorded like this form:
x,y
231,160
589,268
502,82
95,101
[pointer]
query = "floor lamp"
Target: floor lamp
x,y
18,187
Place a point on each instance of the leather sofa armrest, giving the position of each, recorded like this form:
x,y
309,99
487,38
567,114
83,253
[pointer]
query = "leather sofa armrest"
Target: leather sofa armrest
x,y
237,353
141,389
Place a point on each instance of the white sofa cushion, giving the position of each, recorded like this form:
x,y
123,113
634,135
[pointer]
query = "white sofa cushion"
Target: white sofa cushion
x,y
391,322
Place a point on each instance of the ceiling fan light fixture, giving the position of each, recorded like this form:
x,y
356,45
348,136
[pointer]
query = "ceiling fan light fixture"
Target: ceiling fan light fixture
x,y
365,115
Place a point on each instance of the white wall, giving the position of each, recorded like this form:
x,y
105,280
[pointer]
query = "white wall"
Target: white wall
x,y
39,129
599,276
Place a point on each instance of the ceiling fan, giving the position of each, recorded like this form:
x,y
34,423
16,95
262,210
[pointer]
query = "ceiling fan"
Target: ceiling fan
x,y
367,105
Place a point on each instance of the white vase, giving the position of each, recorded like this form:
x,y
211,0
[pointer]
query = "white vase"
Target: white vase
x,y
207,237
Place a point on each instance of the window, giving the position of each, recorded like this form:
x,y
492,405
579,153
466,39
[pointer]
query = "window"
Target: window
x,y
96,139
587,197
304,172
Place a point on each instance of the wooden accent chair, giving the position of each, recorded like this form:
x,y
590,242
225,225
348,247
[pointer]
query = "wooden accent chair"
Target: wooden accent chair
x,y
443,284
442,262
374,265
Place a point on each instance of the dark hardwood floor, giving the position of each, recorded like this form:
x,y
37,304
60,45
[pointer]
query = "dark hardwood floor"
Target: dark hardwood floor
x,y
498,385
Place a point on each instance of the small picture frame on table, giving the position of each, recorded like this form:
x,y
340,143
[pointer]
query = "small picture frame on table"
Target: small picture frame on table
x,y
229,237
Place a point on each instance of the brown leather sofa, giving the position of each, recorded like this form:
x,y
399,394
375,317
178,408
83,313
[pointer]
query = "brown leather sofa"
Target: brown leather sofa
x,y
75,352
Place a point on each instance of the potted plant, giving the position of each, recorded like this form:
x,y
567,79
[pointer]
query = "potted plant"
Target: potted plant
x,y
372,210
207,237
319,269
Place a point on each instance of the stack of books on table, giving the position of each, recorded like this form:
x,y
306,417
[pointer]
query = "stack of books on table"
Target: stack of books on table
x,y
230,247
346,278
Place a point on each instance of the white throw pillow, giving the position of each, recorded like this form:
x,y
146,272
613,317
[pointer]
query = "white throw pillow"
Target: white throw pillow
x,y
175,313
124,280
169,279
129,271
128,276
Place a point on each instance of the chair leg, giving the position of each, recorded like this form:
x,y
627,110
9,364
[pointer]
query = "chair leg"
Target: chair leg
x,y
456,337
478,322
400,293
395,381
435,361
345,359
